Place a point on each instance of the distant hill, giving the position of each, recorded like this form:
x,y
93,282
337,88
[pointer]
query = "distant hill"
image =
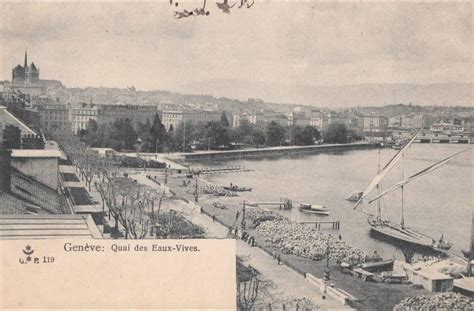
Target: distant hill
x,y
449,94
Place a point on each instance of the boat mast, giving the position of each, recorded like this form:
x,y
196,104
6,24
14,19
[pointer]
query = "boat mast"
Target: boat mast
x,y
402,222
379,216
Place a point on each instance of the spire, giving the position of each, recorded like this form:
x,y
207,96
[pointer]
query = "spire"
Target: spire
x,y
26,58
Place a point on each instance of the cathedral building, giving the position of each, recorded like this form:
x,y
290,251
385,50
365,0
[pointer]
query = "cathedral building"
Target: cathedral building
x,y
26,74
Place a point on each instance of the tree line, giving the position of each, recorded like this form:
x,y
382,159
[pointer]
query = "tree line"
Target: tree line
x,y
136,209
122,134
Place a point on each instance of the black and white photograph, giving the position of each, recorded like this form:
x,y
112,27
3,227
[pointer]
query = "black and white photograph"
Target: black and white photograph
x,y
236,155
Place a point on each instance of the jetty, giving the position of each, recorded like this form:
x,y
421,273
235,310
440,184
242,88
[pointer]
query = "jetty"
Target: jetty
x,y
220,170
269,152
335,224
284,203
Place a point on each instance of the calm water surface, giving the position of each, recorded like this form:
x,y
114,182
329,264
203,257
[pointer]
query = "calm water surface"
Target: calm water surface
x,y
438,203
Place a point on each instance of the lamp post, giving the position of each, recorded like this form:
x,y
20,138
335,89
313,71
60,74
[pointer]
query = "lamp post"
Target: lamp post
x,y
243,216
196,194
184,135
327,273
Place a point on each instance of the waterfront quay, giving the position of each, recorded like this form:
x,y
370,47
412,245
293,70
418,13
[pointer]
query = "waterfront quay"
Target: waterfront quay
x,y
367,295
269,152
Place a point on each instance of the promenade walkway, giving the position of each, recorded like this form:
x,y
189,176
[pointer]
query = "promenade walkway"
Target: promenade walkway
x,y
287,284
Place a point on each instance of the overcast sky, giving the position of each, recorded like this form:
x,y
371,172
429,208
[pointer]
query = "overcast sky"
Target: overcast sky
x,y
141,44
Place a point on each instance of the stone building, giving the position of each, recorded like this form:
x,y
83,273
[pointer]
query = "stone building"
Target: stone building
x,y
25,74
54,116
81,115
374,124
174,118
135,113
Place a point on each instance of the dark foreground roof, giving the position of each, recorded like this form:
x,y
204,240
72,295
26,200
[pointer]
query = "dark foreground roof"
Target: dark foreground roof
x,y
29,196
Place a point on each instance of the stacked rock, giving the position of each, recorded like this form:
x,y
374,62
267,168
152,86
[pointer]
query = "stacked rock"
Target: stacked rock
x,y
444,301
256,216
308,242
210,189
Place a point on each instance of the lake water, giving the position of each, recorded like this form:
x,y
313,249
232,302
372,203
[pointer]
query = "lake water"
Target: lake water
x,y
435,204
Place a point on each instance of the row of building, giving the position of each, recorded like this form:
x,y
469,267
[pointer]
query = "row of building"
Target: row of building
x,y
23,99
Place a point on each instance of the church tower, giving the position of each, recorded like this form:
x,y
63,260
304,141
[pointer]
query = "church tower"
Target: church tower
x,y
25,74
25,66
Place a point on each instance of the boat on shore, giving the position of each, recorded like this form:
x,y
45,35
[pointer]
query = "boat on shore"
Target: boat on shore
x,y
237,188
397,146
314,209
396,232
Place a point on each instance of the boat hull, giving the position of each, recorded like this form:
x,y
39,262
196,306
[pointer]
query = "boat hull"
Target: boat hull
x,y
354,197
312,211
396,236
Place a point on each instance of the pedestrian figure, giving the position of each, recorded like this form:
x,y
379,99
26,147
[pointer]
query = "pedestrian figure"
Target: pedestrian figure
x,y
279,258
237,215
213,218
340,237
274,254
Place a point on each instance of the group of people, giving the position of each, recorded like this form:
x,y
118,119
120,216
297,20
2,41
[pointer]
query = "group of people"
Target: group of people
x,y
308,242
242,235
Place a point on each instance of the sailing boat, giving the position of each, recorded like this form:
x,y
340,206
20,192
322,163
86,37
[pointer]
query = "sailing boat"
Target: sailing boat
x,y
399,232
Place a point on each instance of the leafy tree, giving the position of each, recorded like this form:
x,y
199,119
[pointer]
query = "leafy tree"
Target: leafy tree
x,y
122,135
248,134
90,135
259,137
352,135
218,135
275,134
336,133
182,136
305,136
158,134
224,121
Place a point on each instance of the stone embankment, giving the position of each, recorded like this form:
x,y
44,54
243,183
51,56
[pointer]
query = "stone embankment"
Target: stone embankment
x,y
269,152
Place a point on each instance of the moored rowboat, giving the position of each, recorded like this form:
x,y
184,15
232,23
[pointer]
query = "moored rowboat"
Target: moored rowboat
x,y
314,209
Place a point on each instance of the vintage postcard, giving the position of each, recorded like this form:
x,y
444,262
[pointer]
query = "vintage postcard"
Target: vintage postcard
x,y
236,155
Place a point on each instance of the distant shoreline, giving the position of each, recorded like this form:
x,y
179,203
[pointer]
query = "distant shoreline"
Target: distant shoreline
x,y
268,152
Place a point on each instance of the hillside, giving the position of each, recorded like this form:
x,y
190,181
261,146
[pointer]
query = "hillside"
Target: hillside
x,y
449,94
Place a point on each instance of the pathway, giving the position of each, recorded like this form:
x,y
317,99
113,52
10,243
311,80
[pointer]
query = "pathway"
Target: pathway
x,y
288,283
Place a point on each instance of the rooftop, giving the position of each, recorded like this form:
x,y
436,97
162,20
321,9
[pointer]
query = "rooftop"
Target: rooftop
x,y
4,110
465,283
35,153
47,227
29,196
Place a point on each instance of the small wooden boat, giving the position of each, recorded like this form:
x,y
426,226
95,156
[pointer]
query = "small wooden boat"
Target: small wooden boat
x,y
237,188
354,197
314,209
